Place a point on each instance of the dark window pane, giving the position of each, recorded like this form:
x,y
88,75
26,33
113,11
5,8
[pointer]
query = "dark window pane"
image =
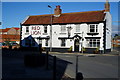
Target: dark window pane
x,y
62,42
92,30
27,29
45,29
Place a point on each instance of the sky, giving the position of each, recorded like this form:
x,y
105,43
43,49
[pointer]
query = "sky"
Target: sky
x,y
13,13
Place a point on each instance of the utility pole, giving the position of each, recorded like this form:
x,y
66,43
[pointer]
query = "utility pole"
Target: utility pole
x,y
50,29
82,42
76,65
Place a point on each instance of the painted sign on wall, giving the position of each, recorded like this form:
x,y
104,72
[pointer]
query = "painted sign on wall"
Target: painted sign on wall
x,y
35,30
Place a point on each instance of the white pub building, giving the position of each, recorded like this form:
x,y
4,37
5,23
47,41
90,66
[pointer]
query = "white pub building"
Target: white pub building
x,y
60,31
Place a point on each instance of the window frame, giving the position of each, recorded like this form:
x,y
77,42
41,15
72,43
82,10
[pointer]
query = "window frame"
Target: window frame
x,y
45,29
77,28
27,29
93,43
63,28
91,28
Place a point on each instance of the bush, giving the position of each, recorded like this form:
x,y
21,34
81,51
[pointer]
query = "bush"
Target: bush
x,y
70,49
43,48
96,51
83,49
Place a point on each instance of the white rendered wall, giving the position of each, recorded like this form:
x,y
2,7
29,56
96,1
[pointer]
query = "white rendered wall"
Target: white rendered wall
x,y
108,19
56,33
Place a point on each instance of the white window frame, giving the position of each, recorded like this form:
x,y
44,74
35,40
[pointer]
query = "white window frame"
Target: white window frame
x,y
27,29
77,28
96,41
63,28
95,28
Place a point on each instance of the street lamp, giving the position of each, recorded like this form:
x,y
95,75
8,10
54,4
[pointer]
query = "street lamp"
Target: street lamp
x,y
50,29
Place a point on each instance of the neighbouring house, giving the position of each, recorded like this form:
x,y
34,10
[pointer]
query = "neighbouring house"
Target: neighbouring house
x,y
11,31
116,41
11,38
10,34
89,30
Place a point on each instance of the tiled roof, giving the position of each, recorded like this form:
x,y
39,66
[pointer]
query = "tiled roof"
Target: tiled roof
x,y
76,17
6,36
17,28
4,30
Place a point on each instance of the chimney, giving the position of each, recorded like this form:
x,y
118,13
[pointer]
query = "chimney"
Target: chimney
x,y
57,10
107,6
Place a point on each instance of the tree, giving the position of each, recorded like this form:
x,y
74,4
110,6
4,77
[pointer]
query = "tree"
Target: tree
x,y
115,35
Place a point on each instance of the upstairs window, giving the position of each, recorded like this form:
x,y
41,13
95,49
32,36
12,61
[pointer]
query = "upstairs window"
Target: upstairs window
x,y
77,28
27,29
93,28
63,28
45,29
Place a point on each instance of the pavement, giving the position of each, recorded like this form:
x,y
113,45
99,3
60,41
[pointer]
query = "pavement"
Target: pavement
x,y
112,53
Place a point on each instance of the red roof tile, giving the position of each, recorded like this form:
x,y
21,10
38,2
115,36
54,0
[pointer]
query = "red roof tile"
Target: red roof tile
x,y
77,17
6,36
4,30
17,28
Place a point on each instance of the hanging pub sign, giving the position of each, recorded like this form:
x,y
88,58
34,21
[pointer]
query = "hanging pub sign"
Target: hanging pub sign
x,y
35,30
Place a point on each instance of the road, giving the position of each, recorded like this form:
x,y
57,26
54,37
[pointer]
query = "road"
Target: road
x,y
91,67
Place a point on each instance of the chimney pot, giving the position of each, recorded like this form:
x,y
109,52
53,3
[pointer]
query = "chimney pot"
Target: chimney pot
x,y
57,10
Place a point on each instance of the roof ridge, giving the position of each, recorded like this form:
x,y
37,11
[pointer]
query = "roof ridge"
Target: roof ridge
x,y
68,13
84,12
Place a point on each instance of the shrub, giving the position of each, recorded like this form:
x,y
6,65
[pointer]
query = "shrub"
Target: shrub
x,y
43,48
83,49
70,49
96,51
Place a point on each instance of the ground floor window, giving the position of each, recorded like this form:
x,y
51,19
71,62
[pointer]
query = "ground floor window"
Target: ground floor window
x,y
63,42
93,42
46,42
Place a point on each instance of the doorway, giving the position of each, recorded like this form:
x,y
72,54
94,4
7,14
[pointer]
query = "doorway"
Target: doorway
x,y
76,45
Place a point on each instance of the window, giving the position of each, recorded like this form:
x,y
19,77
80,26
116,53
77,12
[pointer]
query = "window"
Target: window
x,y
93,28
46,42
62,42
93,42
77,28
45,29
27,29
118,40
63,28
118,43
